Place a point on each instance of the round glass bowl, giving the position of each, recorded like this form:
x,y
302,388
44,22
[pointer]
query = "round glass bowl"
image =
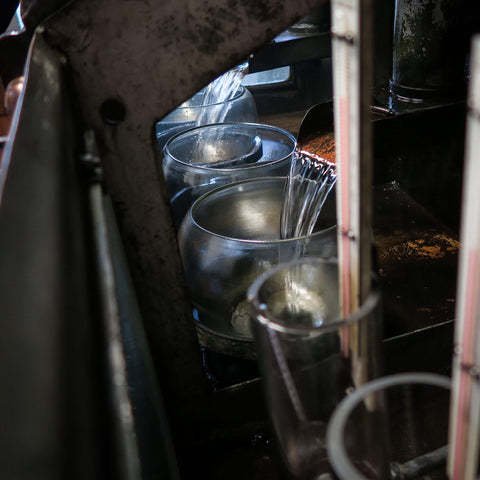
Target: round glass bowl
x,y
229,237
203,158
194,112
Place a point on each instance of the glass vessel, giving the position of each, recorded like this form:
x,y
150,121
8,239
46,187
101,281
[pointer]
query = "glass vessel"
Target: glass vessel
x,y
201,159
309,356
229,237
194,112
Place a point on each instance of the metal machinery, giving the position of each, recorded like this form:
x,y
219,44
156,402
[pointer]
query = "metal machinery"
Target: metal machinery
x,y
101,372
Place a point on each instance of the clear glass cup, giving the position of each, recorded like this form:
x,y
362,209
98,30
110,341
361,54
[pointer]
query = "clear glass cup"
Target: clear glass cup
x,y
201,159
309,356
229,237
194,112
395,427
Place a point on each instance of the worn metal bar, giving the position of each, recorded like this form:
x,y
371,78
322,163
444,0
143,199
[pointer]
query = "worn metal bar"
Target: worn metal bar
x,y
126,455
427,463
152,431
50,407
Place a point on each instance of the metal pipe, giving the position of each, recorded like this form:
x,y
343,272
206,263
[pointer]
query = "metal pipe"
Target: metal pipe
x,y
420,465
429,49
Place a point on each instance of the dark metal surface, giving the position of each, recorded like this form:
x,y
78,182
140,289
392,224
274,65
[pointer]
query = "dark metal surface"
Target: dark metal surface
x,y
74,359
416,247
417,261
125,451
51,408
35,11
421,149
140,432
317,120
284,103
423,152
416,253
154,445
288,49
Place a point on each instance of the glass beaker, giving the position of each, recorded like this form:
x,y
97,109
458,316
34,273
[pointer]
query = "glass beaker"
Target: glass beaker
x,y
309,356
201,159
240,108
395,427
229,237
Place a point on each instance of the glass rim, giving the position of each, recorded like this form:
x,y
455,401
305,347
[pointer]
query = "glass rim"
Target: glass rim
x,y
201,168
258,311
335,430
278,241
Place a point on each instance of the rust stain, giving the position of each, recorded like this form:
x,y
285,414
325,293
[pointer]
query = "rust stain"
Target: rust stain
x,y
453,244
429,248
322,146
263,10
431,251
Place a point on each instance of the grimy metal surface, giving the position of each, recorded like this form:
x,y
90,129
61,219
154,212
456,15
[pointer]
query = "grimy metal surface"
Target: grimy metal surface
x,y
132,62
49,370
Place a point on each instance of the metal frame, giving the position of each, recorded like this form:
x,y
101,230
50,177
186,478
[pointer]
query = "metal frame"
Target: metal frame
x,y
75,362
132,62
50,413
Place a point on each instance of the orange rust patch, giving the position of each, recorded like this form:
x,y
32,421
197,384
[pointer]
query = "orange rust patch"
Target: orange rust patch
x,y
322,146
428,248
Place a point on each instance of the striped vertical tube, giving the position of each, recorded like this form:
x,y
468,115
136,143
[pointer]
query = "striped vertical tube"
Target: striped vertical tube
x,y
352,76
465,400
